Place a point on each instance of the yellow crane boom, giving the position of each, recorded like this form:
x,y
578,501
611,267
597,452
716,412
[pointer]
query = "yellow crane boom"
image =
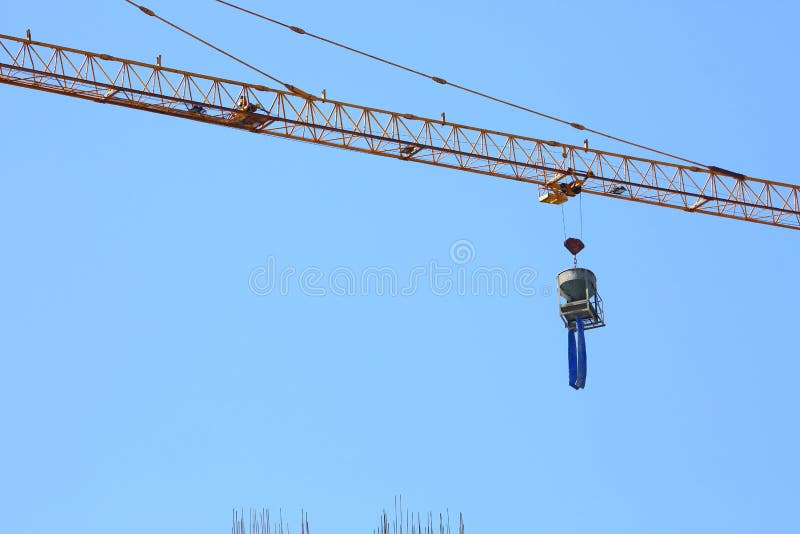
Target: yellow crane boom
x,y
559,170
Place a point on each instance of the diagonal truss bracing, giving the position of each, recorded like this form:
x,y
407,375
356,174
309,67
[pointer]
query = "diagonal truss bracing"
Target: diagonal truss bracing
x,y
260,109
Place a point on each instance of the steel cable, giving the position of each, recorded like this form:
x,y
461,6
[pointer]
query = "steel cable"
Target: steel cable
x,y
442,81
151,13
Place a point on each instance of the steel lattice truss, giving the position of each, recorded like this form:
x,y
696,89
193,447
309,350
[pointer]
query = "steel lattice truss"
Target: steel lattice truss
x,y
297,115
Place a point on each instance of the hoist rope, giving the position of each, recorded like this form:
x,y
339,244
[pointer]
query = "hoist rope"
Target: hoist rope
x,y
442,81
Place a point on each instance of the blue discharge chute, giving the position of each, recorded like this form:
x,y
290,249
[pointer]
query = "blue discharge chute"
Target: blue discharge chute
x,y
581,354
577,356
572,355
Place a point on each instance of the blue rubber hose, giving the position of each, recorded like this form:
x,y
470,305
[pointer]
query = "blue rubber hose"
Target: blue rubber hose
x,y
581,358
572,359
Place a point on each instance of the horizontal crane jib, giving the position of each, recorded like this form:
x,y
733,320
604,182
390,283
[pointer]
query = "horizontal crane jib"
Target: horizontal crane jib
x,y
260,109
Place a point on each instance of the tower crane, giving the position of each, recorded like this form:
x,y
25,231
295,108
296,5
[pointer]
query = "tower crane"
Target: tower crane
x,y
559,170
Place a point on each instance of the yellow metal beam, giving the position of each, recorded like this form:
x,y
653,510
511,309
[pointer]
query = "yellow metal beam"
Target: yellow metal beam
x,y
260,109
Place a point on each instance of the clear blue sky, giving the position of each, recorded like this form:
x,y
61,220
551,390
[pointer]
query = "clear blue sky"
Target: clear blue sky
x,y
144,387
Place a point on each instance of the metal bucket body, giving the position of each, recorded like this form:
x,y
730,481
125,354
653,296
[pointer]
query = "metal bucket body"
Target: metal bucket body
x,y
577,283
578,298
